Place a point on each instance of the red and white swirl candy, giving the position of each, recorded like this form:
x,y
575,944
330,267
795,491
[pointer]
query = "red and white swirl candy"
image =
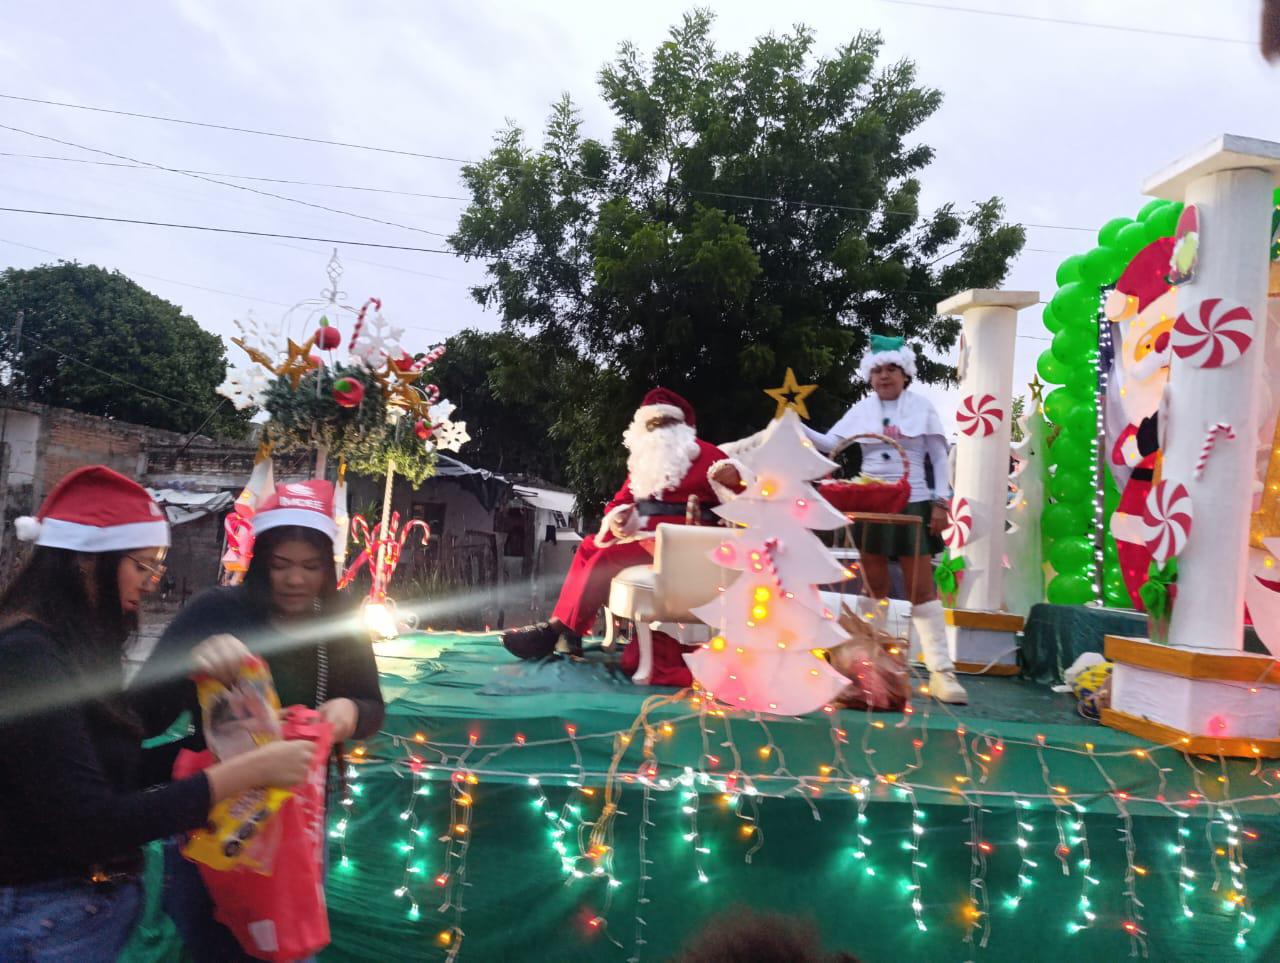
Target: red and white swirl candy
x,y
1219,337
982,416
1166,520
959,524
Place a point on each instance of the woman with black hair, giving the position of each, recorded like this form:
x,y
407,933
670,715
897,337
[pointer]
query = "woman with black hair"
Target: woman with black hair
x,y
75,807
288,612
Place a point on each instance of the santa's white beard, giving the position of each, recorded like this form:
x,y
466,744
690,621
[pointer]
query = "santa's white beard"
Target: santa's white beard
x,y
659,459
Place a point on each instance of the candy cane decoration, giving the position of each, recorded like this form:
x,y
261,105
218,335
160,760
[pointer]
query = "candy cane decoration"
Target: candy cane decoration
x,y
959,524
771,563
364,310
1206,447
1166,520
981,416
381,551
1217,339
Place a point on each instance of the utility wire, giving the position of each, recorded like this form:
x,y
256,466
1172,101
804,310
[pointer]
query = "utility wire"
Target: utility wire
x,y
755,198
242,177
1069,22
214,180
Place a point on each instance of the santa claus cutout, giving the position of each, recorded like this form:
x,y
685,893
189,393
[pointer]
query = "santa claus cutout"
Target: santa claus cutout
x,y
1144,308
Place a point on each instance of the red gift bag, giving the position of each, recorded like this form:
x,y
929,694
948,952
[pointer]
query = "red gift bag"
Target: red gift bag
x,y
280,916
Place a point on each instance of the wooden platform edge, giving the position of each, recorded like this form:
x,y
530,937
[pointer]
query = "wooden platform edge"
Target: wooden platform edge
x,y
1192,663
1161,734
993,621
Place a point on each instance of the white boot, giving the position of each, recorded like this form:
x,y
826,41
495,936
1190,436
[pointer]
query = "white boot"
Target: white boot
x,y
927,620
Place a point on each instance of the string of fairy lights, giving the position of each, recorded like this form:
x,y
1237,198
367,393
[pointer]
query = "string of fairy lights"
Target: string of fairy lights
x,y
580,831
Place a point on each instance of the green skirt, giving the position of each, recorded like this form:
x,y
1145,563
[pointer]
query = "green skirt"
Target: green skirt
x,y
899,540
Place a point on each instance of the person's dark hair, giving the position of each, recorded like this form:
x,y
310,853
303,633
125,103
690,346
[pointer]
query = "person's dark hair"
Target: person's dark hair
x,y
88,626
257,579
744,936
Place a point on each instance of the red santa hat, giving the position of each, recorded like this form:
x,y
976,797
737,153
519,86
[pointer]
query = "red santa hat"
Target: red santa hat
x,y
1144,280
304,504
94,509
662,402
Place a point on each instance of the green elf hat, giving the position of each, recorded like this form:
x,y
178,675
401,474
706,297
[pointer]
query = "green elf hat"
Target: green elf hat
x,y
887,350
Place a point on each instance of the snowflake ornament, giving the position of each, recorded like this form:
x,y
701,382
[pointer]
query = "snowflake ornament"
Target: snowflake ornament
x,y
451,435
441,411
244,387
376,341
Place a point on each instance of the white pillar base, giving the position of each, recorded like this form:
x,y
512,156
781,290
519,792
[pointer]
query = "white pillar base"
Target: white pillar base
x,y
983,643
1199,700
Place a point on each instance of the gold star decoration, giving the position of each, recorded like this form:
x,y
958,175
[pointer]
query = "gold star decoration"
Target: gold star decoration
x,y
298,362
1037,390
256,356
791,394
399,390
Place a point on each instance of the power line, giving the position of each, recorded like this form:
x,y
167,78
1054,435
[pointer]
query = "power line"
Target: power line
x,y
107,374
246,297
1068,22
231,230
155,277
243,177
755,198
213,180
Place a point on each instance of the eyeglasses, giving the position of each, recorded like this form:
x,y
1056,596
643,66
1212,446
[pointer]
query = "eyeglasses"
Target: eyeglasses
x,y
155,569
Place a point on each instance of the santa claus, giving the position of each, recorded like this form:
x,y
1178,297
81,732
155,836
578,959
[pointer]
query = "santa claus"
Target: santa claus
x,y
667,466
1144,306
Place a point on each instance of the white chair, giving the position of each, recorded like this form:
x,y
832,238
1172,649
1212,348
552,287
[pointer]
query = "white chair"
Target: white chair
x,y
661,596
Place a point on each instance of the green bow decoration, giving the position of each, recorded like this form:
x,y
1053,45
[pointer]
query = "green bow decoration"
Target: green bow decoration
x,y
884,342
1155,592
947,575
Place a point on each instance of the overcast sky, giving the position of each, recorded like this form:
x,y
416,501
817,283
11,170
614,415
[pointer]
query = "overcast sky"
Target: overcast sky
x,y
1063,121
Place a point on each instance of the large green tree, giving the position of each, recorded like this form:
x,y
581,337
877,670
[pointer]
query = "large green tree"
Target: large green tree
x,y
94,341
749,213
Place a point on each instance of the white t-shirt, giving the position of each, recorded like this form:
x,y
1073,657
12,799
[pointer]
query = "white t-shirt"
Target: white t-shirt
x,y
883,461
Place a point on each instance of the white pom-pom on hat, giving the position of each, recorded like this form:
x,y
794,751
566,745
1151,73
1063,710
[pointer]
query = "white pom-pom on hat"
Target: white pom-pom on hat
x,y
27,528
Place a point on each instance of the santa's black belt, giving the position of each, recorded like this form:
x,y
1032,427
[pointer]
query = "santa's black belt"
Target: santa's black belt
x,y
1142,474
650,506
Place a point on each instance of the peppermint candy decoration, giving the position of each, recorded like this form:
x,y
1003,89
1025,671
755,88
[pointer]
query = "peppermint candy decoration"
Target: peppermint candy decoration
x,y
1166,520
1217,339
959,524
979,417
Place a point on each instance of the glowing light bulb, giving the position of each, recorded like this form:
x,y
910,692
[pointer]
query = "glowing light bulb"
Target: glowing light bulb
x,y
718,643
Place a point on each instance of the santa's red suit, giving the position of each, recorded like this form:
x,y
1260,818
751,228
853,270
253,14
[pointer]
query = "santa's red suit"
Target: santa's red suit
x,y
602,556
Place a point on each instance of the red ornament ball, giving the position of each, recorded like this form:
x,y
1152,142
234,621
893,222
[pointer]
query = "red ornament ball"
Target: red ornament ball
x,y
406,362
422,430
348,392
328,337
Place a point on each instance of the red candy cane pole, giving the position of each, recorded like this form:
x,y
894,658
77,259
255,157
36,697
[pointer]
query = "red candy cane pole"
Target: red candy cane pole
x,y
364,310
1210,439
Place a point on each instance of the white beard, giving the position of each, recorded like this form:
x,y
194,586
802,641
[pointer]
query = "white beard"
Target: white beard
x,y
659,459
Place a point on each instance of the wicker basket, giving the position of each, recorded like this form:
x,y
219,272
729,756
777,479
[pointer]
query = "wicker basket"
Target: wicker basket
x,y
869,495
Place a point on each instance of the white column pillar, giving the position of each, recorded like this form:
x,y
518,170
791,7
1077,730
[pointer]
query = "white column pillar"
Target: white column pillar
x,y
990,321
1230,181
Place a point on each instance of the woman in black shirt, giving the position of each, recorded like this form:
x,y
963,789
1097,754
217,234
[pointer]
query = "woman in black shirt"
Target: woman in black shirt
x,y
287,611
75,806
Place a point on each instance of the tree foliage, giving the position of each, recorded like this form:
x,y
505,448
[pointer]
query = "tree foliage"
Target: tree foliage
x,y
750,212
94,341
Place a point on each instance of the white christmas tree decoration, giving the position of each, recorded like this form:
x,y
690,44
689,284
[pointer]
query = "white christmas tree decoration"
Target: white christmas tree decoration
x,y
769,654
1024,581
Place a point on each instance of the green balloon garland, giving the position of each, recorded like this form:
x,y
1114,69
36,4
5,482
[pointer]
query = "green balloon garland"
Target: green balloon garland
x,y
1072,542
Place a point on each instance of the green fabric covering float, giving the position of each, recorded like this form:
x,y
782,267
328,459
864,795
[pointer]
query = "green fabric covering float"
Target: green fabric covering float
x,y
956,807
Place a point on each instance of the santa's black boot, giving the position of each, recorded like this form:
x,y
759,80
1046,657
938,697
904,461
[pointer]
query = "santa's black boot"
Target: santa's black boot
x,y
531,641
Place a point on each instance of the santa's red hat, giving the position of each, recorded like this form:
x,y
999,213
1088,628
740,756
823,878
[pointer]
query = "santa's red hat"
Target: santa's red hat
x,y
305,504
1146,277
94,509
660,402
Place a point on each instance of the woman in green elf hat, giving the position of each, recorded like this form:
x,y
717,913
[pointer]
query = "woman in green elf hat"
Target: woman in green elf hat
x,y
893,410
